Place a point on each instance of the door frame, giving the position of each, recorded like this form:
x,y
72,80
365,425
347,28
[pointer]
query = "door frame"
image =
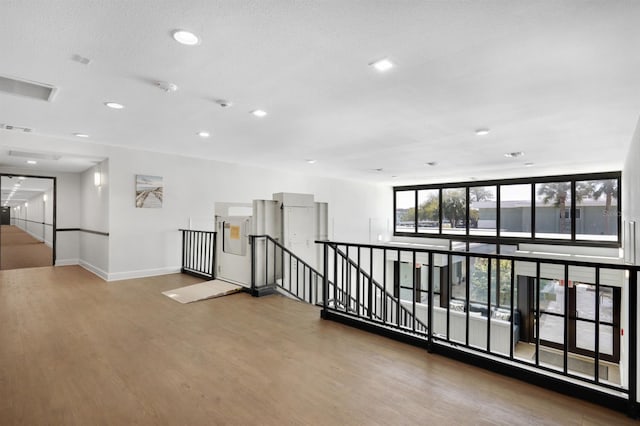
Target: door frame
x,y
55,208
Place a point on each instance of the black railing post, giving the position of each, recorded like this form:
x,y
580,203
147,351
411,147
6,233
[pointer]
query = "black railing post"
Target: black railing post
x,y
252,243
430,305
184,251
325,279
633,341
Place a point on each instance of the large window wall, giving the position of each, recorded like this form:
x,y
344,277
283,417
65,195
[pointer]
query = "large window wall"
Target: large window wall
x,y
575,209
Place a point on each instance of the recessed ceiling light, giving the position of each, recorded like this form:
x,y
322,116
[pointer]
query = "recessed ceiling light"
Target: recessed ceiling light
x,y
311,161
431,163
259,113
32,162
204,134
514,154
382,65
81,135
185,37
114,105
528,164
21,177
482,132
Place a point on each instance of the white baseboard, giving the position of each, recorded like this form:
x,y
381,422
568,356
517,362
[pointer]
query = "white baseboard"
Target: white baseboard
x,y
118,276
94,269
67,262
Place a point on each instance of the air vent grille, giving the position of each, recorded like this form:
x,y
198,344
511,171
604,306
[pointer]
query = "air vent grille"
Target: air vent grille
x,y
15,128
29,89
34,155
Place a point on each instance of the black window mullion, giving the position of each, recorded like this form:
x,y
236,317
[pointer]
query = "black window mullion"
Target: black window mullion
x,y
567,294
597,326
574,199
533,211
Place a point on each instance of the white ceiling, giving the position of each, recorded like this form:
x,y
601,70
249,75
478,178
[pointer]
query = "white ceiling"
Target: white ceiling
x,y
559,80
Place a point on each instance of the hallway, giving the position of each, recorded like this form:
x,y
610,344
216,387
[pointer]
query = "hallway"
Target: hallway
x,y
77,350
20,250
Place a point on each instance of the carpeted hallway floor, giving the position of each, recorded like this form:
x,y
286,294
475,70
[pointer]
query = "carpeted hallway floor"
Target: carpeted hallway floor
x,y
20,250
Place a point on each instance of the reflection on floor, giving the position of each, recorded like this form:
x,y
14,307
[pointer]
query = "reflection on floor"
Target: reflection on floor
x,y
578,365
20,250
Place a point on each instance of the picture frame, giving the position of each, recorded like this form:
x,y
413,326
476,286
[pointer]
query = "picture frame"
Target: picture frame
x,y
149,191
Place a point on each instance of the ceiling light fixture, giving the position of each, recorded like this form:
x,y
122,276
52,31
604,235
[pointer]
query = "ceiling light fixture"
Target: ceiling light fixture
x,y
259,113
21,177
81,135
311,161
185,37
32,162
431,163
514,154
382,65
482,132
528,164
114,105
204,134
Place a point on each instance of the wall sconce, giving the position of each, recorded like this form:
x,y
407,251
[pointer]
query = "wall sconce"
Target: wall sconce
x,y
97,179
44,198
26,204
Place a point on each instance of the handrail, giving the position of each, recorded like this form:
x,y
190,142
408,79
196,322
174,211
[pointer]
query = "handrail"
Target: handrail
x,y
489,337
199,253
382,289
567,261
314,272
306,292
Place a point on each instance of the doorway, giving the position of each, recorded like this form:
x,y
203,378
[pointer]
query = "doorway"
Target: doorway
x,y
593,317
27,221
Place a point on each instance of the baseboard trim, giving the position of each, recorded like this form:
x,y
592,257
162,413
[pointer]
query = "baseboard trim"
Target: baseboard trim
x,y
67,262
143,273
94,269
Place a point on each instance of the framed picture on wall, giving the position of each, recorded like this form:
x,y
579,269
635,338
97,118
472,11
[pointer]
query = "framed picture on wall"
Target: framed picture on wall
x,y
149,191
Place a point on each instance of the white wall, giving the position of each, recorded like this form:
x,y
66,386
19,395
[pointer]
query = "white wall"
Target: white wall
x,y
94,216
630,186
145,241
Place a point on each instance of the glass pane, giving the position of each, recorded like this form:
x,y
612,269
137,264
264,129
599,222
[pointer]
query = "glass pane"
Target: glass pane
x,y
405,211
482,210
606,304
457,304
479,286
454,211
597,210
428,211
585,337
552,328
458,278
553,210
505,284
551,296
586,301
515,210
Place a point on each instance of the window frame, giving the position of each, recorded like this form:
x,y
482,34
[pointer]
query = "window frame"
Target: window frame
x,y
509,240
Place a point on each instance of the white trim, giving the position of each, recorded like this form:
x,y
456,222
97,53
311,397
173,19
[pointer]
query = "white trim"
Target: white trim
x,y
117,276
94,269
67,262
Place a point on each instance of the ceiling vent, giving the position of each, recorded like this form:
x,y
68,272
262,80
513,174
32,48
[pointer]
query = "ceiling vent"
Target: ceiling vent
x,y
29,89
15,128
34,155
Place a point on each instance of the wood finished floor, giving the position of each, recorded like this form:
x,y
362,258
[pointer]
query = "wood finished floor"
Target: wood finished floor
x,y
20,250
75,350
